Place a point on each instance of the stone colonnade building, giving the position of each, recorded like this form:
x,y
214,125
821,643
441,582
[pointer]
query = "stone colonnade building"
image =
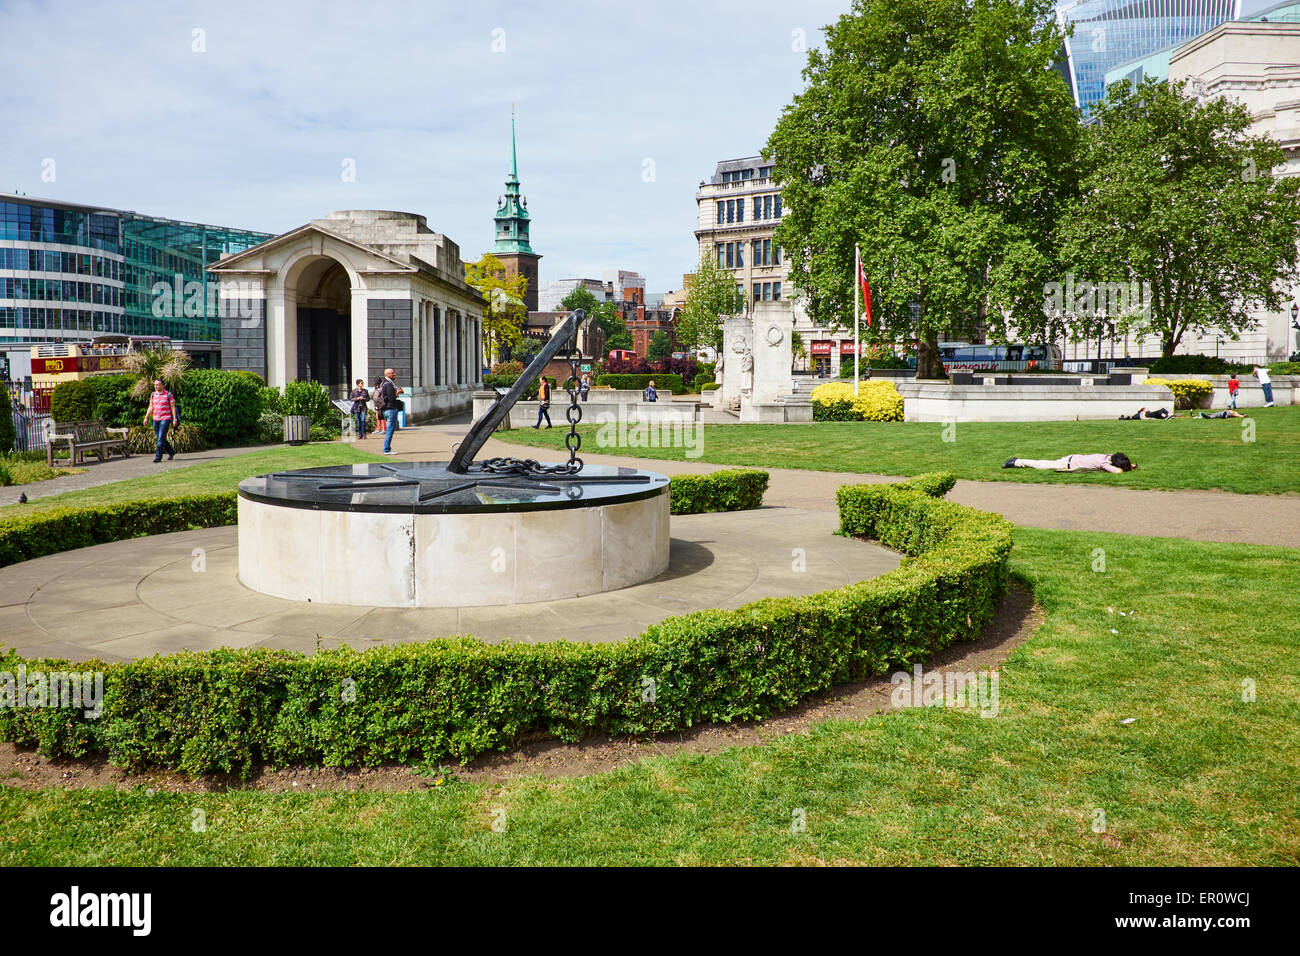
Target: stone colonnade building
x,y
347,296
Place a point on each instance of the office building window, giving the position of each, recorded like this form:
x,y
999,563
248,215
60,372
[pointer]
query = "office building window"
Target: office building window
x,y
740,255
758,292
722,210
767,207
722,255
776,207
740,292
758,208
776,255
730,255
776,292
767,291
731,210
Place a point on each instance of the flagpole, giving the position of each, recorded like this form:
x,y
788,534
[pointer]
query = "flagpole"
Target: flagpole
x,y
857,349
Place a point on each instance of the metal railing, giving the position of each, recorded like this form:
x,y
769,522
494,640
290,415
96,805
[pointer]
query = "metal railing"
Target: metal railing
x,y
32,430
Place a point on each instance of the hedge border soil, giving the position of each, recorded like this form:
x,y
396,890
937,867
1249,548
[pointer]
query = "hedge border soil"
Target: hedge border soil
x,y
1017,619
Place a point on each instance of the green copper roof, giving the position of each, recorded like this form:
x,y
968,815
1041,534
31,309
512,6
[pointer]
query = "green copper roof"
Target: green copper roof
x,y
512,214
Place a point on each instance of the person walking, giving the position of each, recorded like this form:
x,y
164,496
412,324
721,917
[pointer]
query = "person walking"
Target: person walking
x,y
387,402
1116,463
584,387
650,394
1266,383
360,398
162,404
1233,386
543,403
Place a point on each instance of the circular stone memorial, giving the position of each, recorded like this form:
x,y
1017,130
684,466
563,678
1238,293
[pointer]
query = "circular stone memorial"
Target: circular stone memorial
x,y
418,535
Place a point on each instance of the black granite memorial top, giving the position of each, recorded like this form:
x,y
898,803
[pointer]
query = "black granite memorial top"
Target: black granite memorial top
x,y
429,488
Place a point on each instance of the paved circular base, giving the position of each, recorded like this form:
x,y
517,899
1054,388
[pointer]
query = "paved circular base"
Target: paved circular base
x,y
176,592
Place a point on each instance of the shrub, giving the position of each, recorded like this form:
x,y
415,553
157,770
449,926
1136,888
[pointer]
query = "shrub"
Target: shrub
x,y
228,710
8,434
702,379
269,399
324,433
664,382
73,401
270,428
113,401
736,489
710,387
506,379
876,401
224,405
632,366
6,474
1188,392
307,398
184,438
513,369
64,529
1285,368
1195,364
883,359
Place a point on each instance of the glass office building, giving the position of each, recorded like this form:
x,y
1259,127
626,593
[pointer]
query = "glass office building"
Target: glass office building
x,y
1108,33
69,272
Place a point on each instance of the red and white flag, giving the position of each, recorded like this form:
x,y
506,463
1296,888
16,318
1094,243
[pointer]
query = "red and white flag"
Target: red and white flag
x,y
866,292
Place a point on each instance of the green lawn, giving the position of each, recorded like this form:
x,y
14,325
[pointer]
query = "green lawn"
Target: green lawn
x,y
1200,777
221,474
1179,453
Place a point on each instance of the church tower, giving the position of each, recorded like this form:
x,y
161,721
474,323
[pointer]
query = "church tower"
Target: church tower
x,y
512,246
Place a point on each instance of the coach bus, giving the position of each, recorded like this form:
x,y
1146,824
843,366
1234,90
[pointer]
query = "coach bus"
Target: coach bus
x,y
72,361
1000,358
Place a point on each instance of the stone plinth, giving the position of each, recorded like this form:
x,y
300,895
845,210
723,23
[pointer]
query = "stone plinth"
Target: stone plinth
x,y
417,536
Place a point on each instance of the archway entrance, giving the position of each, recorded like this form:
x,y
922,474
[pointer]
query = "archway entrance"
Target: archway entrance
x,y
325,325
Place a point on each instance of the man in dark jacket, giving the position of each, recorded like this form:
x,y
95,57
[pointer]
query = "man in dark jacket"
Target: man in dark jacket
x,y
388,404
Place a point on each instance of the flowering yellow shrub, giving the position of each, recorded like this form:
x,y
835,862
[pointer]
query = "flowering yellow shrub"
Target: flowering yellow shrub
x,y
877,401
1188,392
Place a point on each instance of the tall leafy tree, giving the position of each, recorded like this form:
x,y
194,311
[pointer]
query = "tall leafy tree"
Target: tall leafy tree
x,y
604,314
504,312
1178,200
710,297
660,347
935,134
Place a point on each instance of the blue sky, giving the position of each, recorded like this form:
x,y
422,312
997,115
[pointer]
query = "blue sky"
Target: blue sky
x,y
253,130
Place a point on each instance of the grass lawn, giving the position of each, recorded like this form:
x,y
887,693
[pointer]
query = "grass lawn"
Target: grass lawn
x,y
221,474
1179,453
1200,776
25,472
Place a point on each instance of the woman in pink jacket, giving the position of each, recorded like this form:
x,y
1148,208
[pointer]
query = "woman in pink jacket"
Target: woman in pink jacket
x,y
1117,463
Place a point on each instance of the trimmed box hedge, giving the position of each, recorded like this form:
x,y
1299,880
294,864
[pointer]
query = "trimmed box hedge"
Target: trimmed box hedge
x,y
664,381
229,710
735,489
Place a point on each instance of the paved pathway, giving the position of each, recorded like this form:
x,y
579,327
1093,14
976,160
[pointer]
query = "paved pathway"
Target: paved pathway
x,y
1199,515
175,592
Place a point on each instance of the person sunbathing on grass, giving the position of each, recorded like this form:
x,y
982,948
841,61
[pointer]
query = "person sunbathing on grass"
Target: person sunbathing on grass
x,y
1116,463
1226,413
1142,412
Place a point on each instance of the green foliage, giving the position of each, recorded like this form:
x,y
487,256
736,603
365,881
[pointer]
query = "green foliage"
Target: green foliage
x,y
185,438
710,387
6,474
307,398
224,405
508,368
1178,195
505,380
1285,368
114,402
65,529
150,365
736,489
455,698
8,434
877,400
935,134
887,360
1188,392
1195,364
710,297
269,399
605,314
503,303
664,381
270,427
73,401
660,347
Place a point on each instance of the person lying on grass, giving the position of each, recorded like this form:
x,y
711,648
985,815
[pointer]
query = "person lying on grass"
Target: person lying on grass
x,y
1226,413
1142,412
1118,462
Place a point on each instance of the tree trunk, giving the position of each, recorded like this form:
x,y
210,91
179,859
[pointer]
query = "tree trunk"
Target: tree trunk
x,y
929,363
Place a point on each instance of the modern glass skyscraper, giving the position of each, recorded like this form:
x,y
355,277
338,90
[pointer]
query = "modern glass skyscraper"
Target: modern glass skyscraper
x,y
1108,33
69,272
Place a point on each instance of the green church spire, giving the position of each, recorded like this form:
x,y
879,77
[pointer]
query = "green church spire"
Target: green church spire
x,y
512,213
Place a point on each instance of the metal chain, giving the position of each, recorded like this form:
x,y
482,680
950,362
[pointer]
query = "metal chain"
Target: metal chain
x,y
572,441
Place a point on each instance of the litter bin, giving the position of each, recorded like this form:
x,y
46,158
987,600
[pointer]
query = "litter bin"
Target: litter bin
x,y
297,429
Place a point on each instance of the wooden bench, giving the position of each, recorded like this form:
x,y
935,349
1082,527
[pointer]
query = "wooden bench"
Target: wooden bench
x,y
87,436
